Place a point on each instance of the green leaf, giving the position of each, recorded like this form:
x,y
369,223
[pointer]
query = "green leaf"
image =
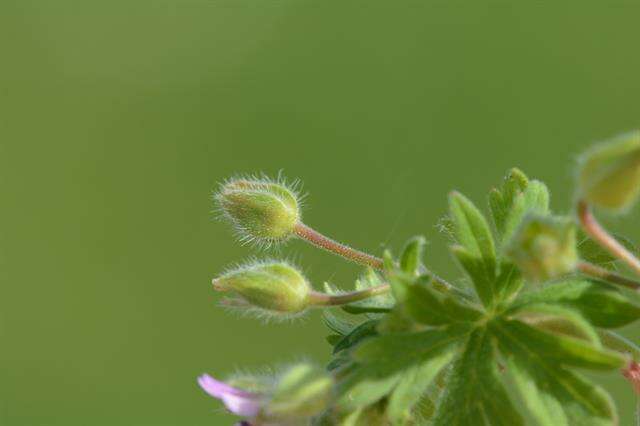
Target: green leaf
x,y
560,349
501,201
338,325
599,303
474,394
364,330
411,258
428,306
555,396
413,385
517,197
380,363
557,319
476,252
509,281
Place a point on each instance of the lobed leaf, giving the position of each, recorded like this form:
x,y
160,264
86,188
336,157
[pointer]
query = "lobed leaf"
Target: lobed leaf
x,y
474,394
517,197
554,395
599,303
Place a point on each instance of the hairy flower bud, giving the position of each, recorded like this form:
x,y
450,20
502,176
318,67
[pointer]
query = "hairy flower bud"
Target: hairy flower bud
x,y
262,210
301,392
271,286
544,247
609,174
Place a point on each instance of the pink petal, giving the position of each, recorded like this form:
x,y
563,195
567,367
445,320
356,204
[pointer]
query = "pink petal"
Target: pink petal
x,y
237,401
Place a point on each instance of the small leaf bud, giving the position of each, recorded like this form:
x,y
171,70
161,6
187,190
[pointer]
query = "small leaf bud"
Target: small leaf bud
x,y
544,247
262,210
609,174
271,286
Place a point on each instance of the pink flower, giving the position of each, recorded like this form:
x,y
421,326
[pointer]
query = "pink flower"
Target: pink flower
x,y
632,373
237,401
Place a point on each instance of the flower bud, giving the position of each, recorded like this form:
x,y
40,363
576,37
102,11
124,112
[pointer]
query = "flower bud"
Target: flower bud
x,y
609,174
544,247
271,286
301,392
262,210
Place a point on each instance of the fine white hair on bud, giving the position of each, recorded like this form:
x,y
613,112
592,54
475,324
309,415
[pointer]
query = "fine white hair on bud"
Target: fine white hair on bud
x,y
268,288
263,211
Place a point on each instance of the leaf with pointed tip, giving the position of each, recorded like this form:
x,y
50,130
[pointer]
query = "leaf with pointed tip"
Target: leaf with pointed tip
x,y
411,258
540,362
361,332
601,304
474,394
476,251
338,325
558,349
556,319
509,282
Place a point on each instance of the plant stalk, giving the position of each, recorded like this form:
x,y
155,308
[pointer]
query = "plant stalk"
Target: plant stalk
x,y
609,276
317,239
606,240
325,299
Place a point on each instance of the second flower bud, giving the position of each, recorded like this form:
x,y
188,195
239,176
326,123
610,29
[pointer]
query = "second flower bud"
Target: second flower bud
x,y
275,287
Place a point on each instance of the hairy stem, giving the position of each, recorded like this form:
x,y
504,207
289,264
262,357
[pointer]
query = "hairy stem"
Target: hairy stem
x,y
606,240
317,239
325,299
609,276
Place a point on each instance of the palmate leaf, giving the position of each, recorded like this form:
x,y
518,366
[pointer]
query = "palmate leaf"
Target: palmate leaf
x,y
474,393
540,365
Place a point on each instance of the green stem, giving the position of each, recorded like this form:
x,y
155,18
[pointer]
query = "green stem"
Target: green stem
x,y
609,276
325,299
606,240
317,239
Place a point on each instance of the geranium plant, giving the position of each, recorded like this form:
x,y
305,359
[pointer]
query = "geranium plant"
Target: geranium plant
x,y
538,307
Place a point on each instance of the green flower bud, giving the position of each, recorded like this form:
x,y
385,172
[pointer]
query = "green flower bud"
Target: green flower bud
x,y
301,392
262,210
272,286
544,247
609,174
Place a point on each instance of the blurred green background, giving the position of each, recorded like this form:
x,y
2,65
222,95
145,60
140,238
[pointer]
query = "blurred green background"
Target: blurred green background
x,y
117,118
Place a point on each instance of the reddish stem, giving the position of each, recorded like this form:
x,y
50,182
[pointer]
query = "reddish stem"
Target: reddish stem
x,y
317,239
599,234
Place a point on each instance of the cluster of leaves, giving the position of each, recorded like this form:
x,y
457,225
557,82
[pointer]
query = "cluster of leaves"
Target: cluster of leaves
x,y
434,354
